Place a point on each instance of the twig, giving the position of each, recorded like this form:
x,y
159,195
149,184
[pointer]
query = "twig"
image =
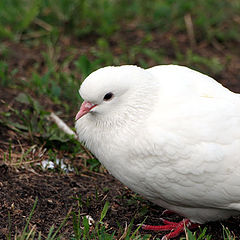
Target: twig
x,y
87,151
62,125
185,230
66,129
190,31
43,24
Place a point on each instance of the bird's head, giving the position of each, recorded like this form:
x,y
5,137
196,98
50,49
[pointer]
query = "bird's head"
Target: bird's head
x,y
111,89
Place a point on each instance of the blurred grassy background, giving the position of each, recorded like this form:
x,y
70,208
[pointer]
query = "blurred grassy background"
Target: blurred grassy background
x,y
49,45
22,19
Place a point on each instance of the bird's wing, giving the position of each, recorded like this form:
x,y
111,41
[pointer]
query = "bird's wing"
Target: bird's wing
x,y
179,80
190,149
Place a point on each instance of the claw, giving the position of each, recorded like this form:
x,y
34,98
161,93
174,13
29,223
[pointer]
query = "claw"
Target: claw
x,y
175,228
166,222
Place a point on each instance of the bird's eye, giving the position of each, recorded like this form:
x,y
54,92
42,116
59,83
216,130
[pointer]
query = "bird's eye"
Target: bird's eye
x,y
108,96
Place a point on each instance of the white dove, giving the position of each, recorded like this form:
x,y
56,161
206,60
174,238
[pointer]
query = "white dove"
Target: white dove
x,y
169,133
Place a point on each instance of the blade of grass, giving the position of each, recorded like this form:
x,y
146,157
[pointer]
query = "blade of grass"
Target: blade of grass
x,y
104,211
50,232
28,220
135,232
60,227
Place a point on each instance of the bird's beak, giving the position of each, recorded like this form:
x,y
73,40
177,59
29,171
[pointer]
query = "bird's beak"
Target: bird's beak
x,y
84,109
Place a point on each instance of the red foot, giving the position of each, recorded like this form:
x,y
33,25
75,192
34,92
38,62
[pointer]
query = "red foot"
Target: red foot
x,y
175,228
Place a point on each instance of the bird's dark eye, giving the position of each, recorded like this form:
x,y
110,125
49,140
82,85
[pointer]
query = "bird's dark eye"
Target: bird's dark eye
x,y
108,96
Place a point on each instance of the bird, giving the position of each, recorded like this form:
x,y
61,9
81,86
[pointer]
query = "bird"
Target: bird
x,y
169,133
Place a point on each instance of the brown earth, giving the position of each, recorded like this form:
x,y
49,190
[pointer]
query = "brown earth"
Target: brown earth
x,y
57,196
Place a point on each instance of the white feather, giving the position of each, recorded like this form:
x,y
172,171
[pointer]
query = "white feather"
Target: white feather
x,y
171,134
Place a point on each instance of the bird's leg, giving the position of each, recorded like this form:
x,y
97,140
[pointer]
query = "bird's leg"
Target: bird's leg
x,y
175,228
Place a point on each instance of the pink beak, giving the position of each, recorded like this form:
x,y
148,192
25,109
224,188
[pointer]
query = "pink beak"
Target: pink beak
x,y
84,109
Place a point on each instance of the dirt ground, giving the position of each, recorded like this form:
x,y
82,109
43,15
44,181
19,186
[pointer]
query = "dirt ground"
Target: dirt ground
x,y
58,193
57,196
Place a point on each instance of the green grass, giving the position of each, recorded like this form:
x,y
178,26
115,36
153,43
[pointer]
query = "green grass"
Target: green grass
x,y
6,76
82,225
81,228
104,17
30,233
46,21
